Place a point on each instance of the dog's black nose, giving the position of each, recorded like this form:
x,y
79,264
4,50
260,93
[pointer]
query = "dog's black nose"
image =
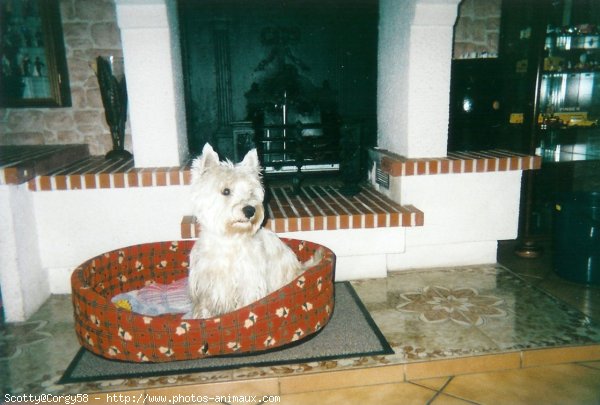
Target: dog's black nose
x,y
249,211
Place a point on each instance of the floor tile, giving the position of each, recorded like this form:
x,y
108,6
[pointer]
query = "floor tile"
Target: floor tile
x,y
560,384
251,391
534,270
418,340
435,384
403,393
485,317
470,364
44,352
341,379
59,308
443,399
540,272
536,319
592,364
584,298
560,355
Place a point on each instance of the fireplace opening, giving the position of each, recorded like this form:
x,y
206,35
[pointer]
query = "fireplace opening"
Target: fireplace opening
x,y
296,79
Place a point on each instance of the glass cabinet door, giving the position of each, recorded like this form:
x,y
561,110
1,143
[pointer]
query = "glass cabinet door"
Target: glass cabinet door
x,y
568,119
570,94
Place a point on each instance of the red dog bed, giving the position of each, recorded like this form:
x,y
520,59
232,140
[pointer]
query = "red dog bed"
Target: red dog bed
x,y
295,311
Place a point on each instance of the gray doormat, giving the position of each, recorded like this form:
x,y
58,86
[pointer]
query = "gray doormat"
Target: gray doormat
x,y
351,332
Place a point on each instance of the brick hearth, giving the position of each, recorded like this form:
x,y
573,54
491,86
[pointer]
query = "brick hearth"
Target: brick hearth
x,y
316,207
320,207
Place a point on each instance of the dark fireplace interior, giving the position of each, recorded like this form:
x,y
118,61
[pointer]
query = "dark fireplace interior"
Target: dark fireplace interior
x,y
303,73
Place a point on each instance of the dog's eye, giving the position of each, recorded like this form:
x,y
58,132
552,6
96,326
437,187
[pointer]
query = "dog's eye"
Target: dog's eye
x,y
226,191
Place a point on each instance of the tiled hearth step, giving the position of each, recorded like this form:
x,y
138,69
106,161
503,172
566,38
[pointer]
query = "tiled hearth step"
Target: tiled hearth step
x,y
324,207
95,172
496,160
19,164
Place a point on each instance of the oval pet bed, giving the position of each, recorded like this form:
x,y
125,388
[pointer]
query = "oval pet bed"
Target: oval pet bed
x,y
295,311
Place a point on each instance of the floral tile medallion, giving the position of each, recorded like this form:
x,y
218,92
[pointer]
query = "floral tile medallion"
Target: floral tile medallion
x,y
464,306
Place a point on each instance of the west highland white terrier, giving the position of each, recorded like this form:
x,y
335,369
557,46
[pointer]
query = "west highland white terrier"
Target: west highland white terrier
x,y
235,261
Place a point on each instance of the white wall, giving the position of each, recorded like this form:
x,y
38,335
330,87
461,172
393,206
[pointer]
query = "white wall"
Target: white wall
x,y
465,215
360,253
464,207
151,51
49,233
97,221
413,91
392,74
75,225
22,274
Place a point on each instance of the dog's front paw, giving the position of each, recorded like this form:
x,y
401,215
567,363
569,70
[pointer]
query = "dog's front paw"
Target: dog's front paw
x,y
201,313
315,259
318,256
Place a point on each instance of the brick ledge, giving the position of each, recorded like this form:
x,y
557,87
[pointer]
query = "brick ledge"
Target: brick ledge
x,y
496,160
325,208
95,172
20,163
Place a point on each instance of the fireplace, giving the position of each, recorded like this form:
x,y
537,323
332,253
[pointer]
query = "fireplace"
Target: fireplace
x,y
283,77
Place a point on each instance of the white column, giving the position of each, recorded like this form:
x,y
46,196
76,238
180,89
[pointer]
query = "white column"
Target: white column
x,y
151,51
23,281
413,91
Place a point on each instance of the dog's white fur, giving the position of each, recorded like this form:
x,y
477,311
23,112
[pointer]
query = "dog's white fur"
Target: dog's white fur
x,y
234,262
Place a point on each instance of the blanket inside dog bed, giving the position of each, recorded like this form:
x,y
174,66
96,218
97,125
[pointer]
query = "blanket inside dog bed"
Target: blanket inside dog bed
x,y
157,299
294,312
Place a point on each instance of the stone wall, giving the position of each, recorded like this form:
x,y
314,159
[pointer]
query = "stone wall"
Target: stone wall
x,y
477,29
90,29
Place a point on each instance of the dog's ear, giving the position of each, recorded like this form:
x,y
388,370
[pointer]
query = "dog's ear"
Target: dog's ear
x,y
207,159
251,162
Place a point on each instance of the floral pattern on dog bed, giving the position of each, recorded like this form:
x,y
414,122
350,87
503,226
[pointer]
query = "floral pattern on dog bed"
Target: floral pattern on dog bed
x,y
295,311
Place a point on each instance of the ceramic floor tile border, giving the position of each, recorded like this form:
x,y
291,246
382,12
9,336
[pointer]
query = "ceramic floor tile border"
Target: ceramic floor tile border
x,y
462,365
314,381
320,381
558,355
501,361
263,386
391,393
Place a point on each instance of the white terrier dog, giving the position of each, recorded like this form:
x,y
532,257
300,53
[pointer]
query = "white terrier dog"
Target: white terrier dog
x,y
234,262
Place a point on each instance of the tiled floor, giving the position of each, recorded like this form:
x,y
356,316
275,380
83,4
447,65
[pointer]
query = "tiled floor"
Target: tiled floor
x,y
477,334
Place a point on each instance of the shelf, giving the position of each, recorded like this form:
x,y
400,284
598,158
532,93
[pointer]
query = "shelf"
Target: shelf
x,y
569,145
562,155
570,72
571,42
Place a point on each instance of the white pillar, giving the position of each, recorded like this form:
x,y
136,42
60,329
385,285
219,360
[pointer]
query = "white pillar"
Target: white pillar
x,y
23,281
413,90
151,52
